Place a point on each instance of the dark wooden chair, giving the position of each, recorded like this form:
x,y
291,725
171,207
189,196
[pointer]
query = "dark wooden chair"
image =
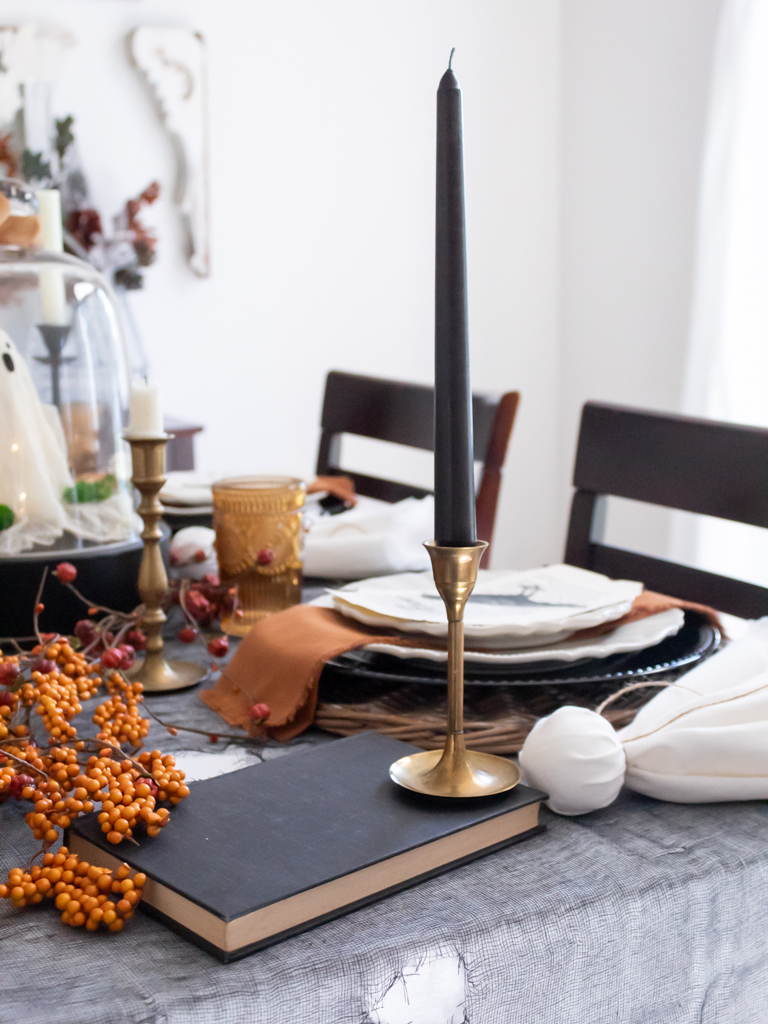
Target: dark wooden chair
x,y
403,413
180,450
715,469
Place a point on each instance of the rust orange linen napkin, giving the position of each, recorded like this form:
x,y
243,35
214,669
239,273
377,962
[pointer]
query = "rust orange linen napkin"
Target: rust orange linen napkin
x,y
279,662
645,604
342,487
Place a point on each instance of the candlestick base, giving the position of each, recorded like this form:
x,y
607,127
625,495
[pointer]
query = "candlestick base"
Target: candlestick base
x,y
158,675
455,771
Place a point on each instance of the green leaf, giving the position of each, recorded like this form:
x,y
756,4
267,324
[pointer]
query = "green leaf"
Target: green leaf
x,y
86,491
7,517
34,168
64,136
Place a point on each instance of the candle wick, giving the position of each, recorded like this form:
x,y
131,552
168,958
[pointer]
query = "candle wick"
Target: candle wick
x,y
450,59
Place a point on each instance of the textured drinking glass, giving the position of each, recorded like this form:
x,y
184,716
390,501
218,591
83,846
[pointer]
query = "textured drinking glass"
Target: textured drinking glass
x,y
258,542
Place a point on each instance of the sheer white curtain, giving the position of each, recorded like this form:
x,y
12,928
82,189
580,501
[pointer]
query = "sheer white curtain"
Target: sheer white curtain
x,y
727,366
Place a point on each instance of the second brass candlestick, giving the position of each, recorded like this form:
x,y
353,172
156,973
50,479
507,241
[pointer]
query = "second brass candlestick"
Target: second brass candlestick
x,y
155,672
455,771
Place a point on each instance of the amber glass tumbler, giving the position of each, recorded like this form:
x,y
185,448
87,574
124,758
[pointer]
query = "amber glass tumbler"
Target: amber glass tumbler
x,y
258,542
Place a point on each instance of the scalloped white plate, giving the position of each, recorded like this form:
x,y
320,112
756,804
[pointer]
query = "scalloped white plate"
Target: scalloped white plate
x,y
634,636
507,609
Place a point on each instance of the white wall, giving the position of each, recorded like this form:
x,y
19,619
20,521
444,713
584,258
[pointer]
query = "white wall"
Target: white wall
x,y
635,80
322,166
322,181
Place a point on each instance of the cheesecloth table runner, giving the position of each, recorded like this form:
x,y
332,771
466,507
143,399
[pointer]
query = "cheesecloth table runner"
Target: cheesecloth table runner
x,y
643,913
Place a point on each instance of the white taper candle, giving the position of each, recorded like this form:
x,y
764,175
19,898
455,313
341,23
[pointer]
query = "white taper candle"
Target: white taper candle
x,y
49,204
52,289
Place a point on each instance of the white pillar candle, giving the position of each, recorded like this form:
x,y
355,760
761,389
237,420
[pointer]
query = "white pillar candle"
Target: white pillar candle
x,y
146,411
52,289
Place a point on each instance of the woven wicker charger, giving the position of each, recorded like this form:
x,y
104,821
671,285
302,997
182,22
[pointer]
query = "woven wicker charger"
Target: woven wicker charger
x,y
498,718
498,727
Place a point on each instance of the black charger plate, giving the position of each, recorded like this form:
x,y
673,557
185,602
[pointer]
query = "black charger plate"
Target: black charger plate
x,y
697,639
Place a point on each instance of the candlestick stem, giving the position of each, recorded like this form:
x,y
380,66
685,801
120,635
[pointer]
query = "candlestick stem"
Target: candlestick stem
x,y
455,771
155,672
55,338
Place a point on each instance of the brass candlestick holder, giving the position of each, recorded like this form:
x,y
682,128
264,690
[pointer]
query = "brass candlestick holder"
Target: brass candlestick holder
x,y
455,771
154,671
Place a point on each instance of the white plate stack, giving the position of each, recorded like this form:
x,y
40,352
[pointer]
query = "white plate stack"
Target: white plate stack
x,y
512,618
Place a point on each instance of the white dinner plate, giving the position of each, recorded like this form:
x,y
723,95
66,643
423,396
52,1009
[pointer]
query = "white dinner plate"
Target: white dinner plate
x,y
507,608
634,636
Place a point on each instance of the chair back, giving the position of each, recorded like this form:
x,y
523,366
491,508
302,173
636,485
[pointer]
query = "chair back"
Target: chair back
x,y
402,413
703,466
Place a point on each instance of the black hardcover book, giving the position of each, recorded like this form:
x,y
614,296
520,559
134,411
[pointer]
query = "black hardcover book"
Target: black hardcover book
x,y
257,855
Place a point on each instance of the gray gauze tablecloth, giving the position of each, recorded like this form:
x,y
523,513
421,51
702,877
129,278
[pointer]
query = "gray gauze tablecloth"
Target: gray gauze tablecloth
x,y
643,913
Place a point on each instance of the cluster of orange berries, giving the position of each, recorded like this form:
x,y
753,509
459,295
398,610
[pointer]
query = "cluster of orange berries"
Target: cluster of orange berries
x,y
60,786
63,795
60,679
127,790
86,894
7,772
119,717
132,793
169,780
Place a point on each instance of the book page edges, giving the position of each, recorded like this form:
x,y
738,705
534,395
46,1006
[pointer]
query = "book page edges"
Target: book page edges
x,y
326,898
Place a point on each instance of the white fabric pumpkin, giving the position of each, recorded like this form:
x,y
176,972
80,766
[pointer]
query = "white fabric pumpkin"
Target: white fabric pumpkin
x,y
702,740
574,755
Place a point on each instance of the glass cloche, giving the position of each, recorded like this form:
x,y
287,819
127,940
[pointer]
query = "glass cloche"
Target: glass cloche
x,y
64,379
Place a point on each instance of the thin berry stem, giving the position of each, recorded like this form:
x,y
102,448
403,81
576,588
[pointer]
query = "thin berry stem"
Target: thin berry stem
x,y
202,732
36,613
31,767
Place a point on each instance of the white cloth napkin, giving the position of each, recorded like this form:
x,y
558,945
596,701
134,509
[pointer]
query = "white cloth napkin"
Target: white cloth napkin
x,y
701,740
372,539
190,488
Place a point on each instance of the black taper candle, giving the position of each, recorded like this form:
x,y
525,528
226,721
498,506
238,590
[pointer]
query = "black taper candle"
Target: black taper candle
x,y
454,458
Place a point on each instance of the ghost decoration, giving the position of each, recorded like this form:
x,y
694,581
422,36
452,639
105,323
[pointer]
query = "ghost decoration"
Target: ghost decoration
x,y
701,740
34,470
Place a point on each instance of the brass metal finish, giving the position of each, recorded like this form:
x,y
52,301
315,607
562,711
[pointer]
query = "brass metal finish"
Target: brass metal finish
x,y
455,771
148,477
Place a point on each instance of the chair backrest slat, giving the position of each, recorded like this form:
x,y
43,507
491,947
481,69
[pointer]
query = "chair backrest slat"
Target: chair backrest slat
x,y
700,466
736,597
715,469
395,411
403,413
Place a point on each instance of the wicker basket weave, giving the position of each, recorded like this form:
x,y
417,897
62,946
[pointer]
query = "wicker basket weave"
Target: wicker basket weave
x,y
504,734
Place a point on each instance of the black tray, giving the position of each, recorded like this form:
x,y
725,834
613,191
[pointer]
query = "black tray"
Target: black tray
x,y
697,639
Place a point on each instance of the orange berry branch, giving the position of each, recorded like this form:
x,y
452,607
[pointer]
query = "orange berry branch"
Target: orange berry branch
x,y
62,776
